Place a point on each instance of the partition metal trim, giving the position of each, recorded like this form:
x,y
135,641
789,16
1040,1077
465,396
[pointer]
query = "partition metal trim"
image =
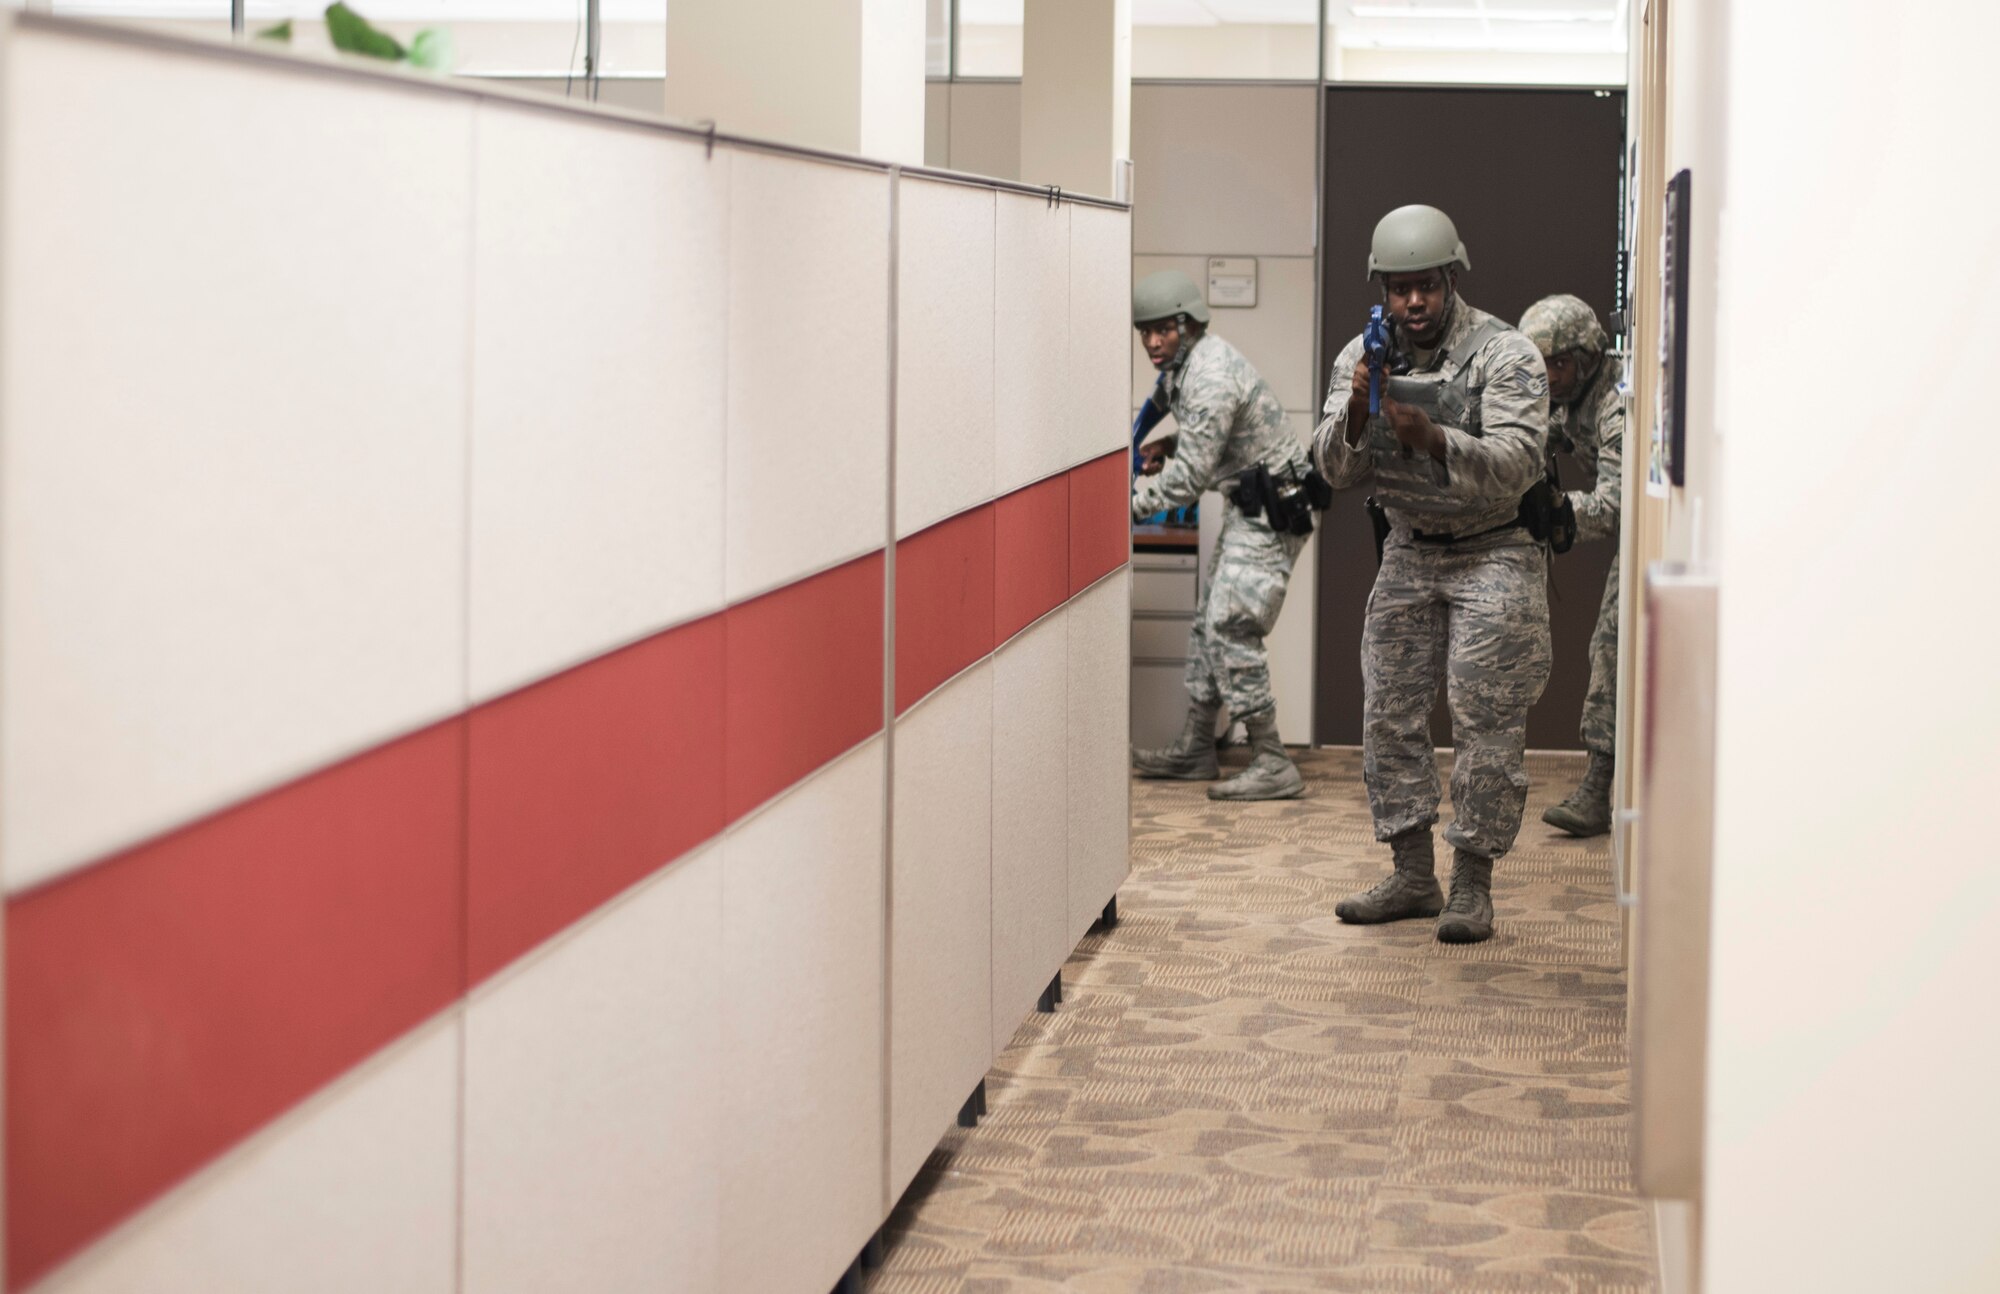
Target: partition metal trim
x,y
889,704
1506,86
1318,341
7,102
1049,192
549,74
1241,82
1319,43
951,43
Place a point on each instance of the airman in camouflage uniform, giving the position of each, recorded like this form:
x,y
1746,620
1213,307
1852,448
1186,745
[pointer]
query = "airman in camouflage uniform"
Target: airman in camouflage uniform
x,y
1461,596
1227,420
1587,417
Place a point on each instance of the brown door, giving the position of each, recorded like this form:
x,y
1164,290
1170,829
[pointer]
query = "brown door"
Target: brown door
x,y
1531,179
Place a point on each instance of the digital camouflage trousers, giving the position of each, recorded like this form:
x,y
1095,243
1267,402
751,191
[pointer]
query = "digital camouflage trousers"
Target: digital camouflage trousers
x,y
1600,703
1240,601
1477,622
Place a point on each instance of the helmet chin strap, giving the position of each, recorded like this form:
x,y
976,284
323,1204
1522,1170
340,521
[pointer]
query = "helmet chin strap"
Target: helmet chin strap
x,y
1450,303
1585,376
1187,343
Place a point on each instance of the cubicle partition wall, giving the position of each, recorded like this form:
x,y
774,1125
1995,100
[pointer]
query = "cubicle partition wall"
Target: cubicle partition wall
x,y
1013,604
562,682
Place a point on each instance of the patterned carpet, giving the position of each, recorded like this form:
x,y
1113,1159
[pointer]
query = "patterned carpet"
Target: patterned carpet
x,y
1241,1093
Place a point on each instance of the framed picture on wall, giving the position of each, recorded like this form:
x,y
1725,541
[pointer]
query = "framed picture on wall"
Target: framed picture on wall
x,y
1670,427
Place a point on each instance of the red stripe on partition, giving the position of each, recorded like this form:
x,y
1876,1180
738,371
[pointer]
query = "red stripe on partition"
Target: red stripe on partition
x,y
1100,519
166,1003
803,680
1031,555
586,783
944,602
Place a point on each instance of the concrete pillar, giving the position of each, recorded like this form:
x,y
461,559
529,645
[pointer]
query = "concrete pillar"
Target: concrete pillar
x,y
846,75
1076,93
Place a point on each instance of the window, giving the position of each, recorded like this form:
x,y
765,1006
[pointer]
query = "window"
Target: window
x,y
989,37
210,16
1252,40
1171,39
1547,42
937,38
488,37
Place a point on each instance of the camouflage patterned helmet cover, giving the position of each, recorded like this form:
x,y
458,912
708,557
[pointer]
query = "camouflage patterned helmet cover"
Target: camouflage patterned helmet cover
x,y
1564,323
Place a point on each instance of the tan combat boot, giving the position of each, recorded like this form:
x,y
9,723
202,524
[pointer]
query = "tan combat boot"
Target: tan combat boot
x,y
1587,811
1409,891
1468,916
1191,756
1271,775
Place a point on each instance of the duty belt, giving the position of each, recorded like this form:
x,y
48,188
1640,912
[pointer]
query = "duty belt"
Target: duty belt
x,y
1447,538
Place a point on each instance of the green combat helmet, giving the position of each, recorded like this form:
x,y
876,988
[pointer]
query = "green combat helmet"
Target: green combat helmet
x,y
1166,294
1415,238
1564,323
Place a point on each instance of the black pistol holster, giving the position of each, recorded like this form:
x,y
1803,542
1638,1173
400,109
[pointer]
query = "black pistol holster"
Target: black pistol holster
x,y
1287,505
1378,520
1548,515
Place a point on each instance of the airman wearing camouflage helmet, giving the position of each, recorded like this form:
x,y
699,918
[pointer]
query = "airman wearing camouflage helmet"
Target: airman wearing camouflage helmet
x,y
1461,598
1227,422
1587,417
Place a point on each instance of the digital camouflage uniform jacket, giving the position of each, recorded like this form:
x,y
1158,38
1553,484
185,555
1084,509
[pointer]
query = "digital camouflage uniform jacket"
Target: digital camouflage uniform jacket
x,y
1490,461
1226,419
1592,428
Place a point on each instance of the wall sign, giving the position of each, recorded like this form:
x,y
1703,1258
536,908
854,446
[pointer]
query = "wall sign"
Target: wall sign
x,y
1667,463
1232,281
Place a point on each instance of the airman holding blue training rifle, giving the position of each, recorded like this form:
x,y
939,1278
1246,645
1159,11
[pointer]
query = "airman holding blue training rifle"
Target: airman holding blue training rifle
x,y
1453,450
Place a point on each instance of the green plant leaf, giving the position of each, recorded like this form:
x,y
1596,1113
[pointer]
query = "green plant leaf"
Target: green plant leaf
x,y
282,33
355,34
430,49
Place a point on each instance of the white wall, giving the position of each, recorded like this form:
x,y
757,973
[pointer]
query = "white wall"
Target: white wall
x,y
635,93
981,128
1228,170
846,75
1853,1051
1236,50
1698,128
1076,93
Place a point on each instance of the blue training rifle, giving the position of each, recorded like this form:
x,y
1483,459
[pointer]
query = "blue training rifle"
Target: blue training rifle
x,y
1375,340
1150,416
